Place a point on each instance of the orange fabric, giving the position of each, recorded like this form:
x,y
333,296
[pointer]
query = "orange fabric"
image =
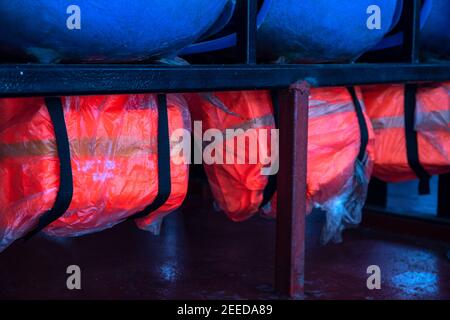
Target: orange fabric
x,y
385,107
237,188
333,143
333,147
113,148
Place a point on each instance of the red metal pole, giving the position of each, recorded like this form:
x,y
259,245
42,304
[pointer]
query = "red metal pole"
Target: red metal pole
x,y
291,186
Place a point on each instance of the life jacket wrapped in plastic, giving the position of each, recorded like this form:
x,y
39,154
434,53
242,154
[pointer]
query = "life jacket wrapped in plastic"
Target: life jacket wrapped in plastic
x,y
423,148
340,155
237,188
75,165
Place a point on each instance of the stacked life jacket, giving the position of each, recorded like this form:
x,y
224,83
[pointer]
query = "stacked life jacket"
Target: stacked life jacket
x,y
340,154
237,188
412,128
75,165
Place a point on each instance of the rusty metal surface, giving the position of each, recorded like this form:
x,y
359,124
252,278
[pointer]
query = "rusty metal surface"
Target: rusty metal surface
x,y
291,211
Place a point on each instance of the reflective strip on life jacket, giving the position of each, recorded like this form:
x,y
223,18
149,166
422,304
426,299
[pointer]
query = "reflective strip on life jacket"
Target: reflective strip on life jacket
x,y
255,123
388,123
237,188
425,121
428,128
433,120
324,109
84,147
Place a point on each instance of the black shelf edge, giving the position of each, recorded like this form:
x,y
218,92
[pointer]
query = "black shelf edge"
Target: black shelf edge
x,y
44,80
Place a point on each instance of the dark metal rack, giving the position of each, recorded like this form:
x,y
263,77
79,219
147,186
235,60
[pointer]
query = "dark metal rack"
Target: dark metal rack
x,y
292,81
44,80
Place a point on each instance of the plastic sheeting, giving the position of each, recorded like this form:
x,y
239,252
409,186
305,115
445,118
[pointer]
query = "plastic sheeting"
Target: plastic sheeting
x,y
113,145
237,188
102,30
385,106
317,31
336,182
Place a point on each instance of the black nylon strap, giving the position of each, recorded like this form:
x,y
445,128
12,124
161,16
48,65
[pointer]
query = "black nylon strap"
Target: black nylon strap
x,y
271,186
364,131
164,180
65,191
412,149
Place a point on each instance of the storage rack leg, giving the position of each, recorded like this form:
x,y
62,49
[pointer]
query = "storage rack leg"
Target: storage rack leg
x,y
291,186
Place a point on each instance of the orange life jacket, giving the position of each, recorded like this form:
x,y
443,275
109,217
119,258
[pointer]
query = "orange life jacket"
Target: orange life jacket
x,y
386,109
113,158
237,188
334,141
333,149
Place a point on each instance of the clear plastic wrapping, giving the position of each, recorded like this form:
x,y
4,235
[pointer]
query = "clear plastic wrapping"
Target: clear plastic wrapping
x,y
113,146
237,188
344,210
385,106
336,181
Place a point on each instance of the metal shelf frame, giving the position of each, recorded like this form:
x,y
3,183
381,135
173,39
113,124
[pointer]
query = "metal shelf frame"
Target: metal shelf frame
x,y
293,83
44,80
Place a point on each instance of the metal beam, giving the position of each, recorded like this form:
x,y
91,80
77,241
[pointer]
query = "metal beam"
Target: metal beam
x,y
47,80
411,41
246,33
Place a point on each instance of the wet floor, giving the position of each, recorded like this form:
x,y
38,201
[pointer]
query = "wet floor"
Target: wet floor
x,y
202,255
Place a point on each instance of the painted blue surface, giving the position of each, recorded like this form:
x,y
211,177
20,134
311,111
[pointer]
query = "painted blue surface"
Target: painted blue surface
x,y
111,31
403,197
228,40
434,24
435,34
223,20
322,30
